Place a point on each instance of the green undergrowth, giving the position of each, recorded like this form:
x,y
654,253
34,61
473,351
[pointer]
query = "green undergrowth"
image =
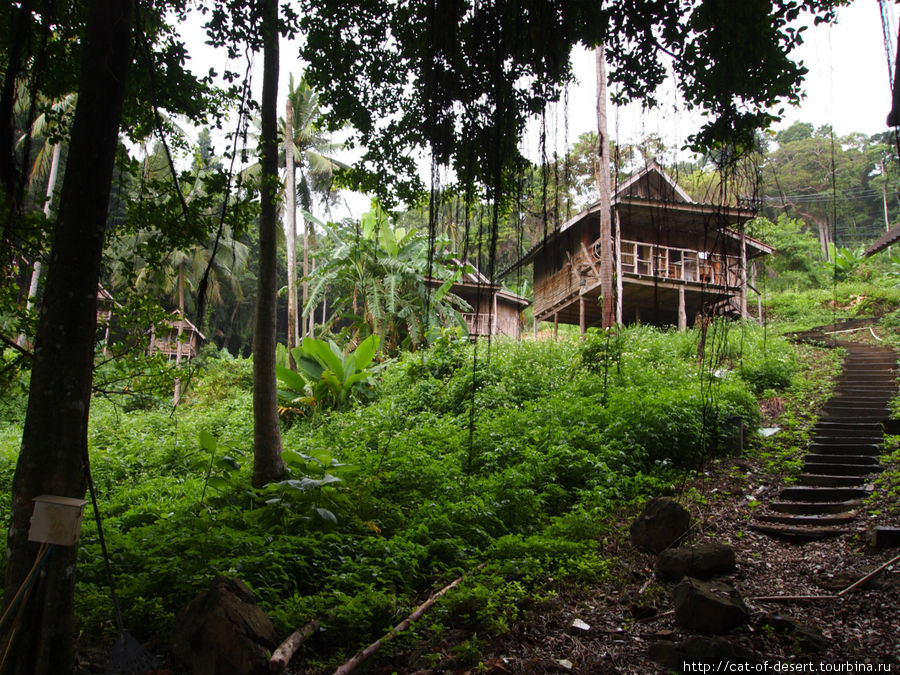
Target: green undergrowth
x,y
511,455
804,309
796,409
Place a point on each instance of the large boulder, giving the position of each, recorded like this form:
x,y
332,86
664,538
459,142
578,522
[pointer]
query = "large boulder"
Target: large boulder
x,y
702,561
663,522
807,639
708,606
223,632
699,650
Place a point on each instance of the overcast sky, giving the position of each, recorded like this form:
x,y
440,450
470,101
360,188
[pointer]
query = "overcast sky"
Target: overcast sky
x,y
847,86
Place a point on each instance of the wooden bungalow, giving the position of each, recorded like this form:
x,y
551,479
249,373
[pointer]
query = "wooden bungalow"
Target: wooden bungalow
x,y
181,340
676,259
495,310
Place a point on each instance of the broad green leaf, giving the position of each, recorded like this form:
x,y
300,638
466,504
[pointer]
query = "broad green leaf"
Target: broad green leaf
x,y
208,441
325,514
293,380
323,353
219,483
365,352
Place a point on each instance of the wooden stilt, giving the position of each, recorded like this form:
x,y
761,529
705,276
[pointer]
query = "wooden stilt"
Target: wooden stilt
x,y
555,325
581,324
682,312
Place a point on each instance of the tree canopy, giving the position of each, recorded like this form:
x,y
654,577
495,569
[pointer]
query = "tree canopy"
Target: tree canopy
x,y
458,78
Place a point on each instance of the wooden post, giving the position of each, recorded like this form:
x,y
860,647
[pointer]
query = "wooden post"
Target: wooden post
x,y
603,186
637,315
884,201
744,311
555,324
682,312
618,270
581,325
759,307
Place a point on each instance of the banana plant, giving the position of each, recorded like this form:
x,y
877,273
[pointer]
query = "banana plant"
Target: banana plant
x,y
326,377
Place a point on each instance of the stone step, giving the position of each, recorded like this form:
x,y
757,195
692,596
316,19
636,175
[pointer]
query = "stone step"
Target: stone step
x,y
867,460
830,480
835,469
853,428
843,417
832,408
845,449
814,507
856,399
802,493
816,520
796,533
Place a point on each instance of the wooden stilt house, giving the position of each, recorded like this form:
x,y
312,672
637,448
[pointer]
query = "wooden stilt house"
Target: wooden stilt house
x,y
675,259
181,339
495,310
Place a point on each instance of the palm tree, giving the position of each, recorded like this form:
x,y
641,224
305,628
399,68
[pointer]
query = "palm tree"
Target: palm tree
x,y
378,273
46,162
308,149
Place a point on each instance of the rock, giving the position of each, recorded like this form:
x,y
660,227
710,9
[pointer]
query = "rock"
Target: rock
x,y
702,561
708,606
700,650
808,638
223,632
663,523
884,537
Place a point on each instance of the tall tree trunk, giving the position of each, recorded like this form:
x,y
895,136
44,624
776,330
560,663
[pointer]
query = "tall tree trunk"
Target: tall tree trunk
x,y
54,440
267,463
606,237
176,395
290,207
36,268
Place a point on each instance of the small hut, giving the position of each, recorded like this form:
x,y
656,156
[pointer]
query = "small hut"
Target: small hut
x,y
181,340
495,310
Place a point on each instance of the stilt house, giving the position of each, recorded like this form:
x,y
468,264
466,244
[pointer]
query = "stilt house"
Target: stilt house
x,y
495,310
181,340
676,259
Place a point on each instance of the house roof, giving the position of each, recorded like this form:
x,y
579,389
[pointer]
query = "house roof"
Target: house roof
x,y
477,280
652,187
890,237
185,323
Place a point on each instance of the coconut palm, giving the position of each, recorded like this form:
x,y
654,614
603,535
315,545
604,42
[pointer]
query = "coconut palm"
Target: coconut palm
x,y
46,163
307,150
378,274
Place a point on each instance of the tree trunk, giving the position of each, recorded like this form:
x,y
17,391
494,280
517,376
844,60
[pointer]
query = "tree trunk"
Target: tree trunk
x,y
267,463
606,240
36,268
290,207
54,440
309,244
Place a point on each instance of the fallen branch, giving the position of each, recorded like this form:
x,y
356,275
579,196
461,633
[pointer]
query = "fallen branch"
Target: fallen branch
x,y
792,598
285,652
840,594
875,336
361,657
846,330
870,575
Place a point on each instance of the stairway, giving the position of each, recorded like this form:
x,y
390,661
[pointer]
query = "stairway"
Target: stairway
x,y
843,452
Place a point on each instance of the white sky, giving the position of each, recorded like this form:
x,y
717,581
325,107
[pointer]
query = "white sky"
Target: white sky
x,y
847,87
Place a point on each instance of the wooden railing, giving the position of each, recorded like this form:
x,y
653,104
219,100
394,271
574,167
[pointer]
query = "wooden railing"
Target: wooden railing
x,y
680,264
637,258
478,324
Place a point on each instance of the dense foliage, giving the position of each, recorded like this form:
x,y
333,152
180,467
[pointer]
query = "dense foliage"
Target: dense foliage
x,y
515,454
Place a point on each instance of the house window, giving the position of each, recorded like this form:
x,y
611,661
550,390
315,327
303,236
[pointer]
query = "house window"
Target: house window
x,y
627,256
